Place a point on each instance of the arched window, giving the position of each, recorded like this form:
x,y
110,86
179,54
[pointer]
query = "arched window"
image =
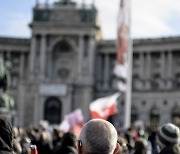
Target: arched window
x,y
61,58
154,117
52,110
63,47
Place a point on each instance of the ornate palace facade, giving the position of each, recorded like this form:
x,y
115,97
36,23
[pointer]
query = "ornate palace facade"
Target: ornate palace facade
x,y
66,65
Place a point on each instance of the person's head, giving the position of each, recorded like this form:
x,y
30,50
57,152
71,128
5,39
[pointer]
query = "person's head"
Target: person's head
x,y
56,134
168,134
122,145
140,146
69,139
98,136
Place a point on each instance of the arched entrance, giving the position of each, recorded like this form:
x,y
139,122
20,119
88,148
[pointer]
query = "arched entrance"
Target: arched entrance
x,y
154,117
134,114
52,110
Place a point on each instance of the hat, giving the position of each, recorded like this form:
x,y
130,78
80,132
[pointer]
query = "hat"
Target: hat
x,y
168,134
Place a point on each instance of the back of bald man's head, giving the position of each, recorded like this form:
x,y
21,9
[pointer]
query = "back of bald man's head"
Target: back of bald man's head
x,y
98,136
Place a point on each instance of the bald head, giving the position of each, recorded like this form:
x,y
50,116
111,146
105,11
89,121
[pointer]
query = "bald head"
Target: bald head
x,y
98,136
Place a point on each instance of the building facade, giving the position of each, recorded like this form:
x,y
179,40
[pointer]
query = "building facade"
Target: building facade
x,y
66,64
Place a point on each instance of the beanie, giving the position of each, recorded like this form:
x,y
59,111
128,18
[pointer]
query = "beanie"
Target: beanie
x,y
168,134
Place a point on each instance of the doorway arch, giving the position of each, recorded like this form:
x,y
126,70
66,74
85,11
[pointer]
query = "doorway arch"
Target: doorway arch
x,y
52,110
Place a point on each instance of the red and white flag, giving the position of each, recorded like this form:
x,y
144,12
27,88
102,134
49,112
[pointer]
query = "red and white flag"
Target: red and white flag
x,y
104,107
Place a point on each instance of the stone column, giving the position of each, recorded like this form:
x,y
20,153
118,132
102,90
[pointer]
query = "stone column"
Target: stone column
x,y
106,71
162,69
99,70
91,57
22,64
169,69
42,56
148,70
38,108
80,50
163,74
32,54
50,63
148,65
142,64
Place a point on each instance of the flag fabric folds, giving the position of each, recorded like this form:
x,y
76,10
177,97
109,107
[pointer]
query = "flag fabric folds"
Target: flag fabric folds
x,y
104,107
72,122
120,69
124,58
75,118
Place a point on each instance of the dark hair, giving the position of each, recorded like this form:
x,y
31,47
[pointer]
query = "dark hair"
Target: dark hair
x,y
140,147
69,139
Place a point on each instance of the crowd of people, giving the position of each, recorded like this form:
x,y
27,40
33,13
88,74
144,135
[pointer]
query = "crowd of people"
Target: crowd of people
x,y
97,137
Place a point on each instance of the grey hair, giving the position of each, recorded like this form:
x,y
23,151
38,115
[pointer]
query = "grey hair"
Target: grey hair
x,y
99,136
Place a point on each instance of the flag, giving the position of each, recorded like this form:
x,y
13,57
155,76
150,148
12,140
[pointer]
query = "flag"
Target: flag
x,y
123,31
120,69
104,107
123,67
72,122
64,126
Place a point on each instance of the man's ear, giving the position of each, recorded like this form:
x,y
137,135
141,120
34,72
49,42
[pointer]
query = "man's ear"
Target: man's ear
x,y
116,149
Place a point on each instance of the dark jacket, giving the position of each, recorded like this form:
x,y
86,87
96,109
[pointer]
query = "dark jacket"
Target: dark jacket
x,y
68,145
68,150
171,149
6,137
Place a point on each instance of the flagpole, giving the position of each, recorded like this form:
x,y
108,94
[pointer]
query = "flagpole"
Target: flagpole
x,y
127,115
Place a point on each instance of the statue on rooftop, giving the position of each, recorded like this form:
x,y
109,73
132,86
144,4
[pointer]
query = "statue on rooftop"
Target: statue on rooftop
x,y
65,2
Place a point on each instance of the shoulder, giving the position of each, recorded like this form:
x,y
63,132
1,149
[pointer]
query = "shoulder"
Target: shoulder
x,y
172,149
68,150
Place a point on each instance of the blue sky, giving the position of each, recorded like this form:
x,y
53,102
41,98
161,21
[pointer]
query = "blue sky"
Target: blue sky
x,y
150,18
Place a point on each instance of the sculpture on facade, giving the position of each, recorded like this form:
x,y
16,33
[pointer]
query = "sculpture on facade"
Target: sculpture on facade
x,y
6,101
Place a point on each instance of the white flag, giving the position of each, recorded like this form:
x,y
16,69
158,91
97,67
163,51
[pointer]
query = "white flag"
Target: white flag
x,y
64,126
120,71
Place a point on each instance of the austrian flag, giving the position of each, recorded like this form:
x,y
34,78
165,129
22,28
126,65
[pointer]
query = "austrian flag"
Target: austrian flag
x,y
104,107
